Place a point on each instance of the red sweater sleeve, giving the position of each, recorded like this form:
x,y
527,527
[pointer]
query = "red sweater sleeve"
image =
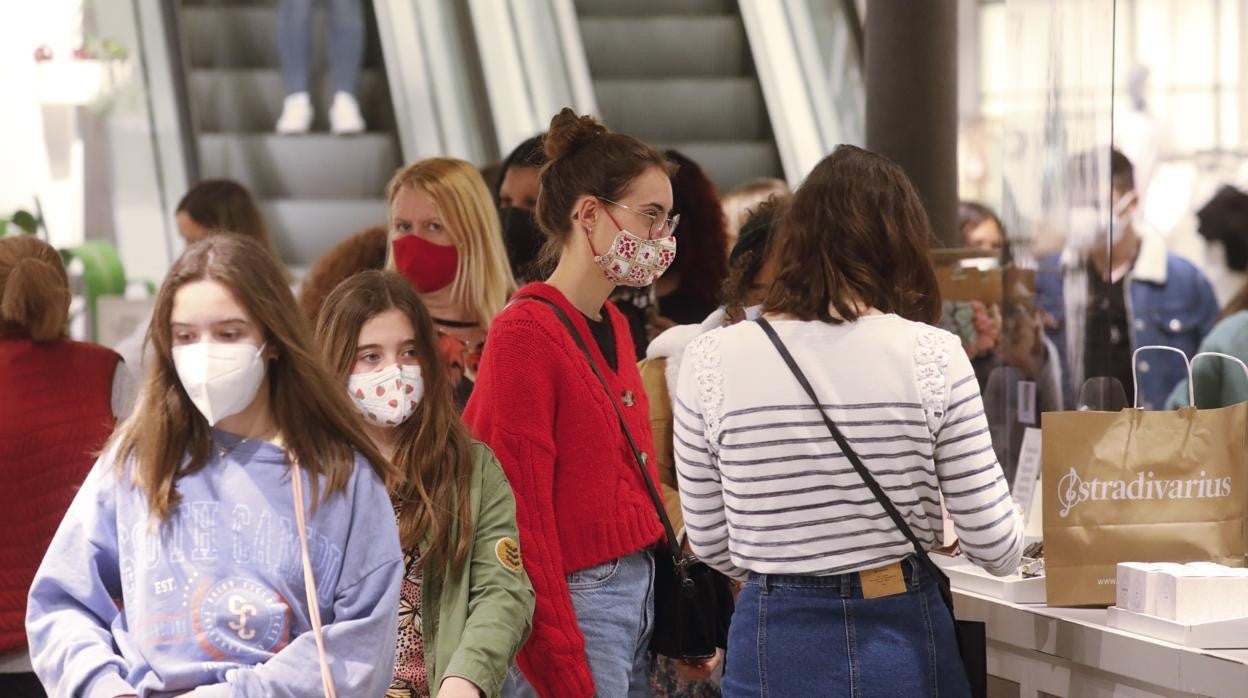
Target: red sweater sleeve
x,y
512,409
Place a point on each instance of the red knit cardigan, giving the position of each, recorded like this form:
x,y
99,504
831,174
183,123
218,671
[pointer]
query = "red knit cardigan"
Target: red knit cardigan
x,y
580,499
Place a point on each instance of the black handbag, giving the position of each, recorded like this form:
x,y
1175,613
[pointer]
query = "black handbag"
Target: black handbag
x,y
971,635
693,603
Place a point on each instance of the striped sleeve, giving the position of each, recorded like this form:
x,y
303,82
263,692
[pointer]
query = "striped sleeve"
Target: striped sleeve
x,y
701,491
977,496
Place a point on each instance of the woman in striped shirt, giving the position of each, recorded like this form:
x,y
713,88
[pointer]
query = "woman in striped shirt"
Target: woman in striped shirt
x,y
836,603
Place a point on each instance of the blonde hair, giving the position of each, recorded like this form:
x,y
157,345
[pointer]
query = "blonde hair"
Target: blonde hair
x,y
483,280
34,289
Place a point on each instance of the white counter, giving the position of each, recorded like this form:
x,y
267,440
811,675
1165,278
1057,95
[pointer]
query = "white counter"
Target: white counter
x,y
1036,651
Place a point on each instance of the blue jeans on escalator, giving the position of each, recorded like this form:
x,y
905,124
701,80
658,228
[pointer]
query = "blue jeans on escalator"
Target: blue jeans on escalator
x,y
797,636
344,45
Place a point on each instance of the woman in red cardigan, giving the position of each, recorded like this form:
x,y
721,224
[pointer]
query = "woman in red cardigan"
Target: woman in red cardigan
x,y
58,402
587,525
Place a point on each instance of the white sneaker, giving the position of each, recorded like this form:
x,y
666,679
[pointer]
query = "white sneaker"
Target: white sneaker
x,y
344,115
296,115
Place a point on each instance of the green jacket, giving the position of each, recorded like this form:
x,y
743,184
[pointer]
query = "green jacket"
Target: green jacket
x,y
475,622
1219,383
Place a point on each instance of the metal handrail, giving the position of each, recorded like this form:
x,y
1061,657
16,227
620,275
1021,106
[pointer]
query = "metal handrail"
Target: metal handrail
x,y
813,106
529,77
429,56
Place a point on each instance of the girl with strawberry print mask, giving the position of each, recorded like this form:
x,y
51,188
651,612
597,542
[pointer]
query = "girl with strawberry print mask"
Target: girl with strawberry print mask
x,y
465,603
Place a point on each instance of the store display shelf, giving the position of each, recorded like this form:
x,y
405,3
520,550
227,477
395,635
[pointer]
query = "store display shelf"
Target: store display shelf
x,y
964,575
1227,634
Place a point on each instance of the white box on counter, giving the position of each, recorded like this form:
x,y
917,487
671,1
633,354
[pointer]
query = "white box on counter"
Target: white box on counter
x,y
1195,593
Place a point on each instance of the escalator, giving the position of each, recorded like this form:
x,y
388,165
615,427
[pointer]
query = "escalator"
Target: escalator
x,y
314,189
680,74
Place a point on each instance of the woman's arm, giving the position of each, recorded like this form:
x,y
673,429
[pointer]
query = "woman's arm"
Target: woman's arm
x,y
701,491
978,499
362,624
500,601
76,595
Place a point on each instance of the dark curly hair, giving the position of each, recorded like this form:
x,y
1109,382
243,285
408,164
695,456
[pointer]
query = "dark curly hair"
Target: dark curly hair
x,y
750,254
702,238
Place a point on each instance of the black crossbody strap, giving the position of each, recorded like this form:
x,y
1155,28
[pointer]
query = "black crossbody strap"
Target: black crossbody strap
x,y
639,456
854,460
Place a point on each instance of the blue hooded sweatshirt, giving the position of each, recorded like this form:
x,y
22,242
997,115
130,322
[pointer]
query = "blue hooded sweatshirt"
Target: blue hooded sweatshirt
x,y
215,597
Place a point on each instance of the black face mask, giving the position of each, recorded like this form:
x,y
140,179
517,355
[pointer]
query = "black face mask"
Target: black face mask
x,y
523,240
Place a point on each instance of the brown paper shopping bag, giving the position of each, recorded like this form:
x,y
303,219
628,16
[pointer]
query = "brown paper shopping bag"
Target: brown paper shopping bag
x,y
1135,486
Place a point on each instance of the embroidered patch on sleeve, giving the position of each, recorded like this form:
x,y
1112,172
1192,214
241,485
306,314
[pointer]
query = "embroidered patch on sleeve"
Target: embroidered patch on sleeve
x,y
507,550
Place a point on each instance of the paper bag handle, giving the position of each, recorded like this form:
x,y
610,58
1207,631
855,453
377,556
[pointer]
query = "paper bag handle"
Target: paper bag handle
x,y
1214,354
1135,371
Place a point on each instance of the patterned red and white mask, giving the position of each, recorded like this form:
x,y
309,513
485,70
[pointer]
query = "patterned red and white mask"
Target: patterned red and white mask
x,y
634,261
388,397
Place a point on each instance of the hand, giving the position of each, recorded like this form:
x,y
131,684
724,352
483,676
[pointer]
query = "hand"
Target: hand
x,y
1023,347
455,687
699,672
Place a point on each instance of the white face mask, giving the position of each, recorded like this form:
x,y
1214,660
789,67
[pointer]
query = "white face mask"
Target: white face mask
x,y
388,397
753,312
1085,232
221,379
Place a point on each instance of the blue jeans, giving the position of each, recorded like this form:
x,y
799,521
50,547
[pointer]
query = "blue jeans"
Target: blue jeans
x,y
817,636
345,45
614,604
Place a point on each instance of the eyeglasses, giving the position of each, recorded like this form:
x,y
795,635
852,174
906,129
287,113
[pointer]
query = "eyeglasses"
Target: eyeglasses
x,y
659,227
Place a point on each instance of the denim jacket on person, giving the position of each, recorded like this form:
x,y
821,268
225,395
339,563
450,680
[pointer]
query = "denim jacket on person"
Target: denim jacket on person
x,y
1169,303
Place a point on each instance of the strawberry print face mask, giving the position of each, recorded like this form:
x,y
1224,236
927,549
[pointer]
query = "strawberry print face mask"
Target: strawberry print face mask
x,y
388,397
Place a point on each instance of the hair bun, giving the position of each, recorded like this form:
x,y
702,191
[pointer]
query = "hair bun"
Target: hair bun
x,y
568,132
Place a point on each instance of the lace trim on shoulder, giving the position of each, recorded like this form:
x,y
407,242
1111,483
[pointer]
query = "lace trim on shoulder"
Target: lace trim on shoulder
x,y
704,351
931,358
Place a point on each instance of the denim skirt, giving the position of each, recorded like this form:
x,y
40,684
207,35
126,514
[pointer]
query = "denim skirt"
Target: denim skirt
x,y
817,636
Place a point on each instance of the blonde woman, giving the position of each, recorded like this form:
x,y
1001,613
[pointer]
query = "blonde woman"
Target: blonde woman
x,y
446,241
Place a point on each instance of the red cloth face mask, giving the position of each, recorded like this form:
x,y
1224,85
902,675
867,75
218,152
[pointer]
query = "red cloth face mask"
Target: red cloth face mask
x,y
427,266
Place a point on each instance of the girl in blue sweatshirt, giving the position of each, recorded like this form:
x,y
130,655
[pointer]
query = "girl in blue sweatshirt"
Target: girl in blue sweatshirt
x,y
180,566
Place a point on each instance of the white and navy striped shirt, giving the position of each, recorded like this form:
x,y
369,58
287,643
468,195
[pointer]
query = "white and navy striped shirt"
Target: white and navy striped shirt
x,y
764,486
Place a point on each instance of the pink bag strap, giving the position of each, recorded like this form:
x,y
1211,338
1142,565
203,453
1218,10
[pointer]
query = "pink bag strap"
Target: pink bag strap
x,y
309,582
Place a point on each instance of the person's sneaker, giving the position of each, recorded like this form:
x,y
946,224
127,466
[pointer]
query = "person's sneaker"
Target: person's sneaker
x,y
344,115
296,115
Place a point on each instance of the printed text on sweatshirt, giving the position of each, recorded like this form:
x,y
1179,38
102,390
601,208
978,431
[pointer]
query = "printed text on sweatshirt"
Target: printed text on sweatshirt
x,y
215,596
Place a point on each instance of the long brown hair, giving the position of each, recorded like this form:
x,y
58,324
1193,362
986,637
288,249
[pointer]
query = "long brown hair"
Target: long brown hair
x,y
855,236
223,205
433,455
309,407
34,290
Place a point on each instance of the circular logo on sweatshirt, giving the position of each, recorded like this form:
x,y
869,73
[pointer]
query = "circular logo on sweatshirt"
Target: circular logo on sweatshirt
x,y
237,618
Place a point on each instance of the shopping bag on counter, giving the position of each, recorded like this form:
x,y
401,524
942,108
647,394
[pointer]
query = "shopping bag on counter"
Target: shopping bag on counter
x,y
1143,487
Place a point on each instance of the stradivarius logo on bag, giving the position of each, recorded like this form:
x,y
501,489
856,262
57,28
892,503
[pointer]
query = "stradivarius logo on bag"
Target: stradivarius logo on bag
x,y
1073,490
